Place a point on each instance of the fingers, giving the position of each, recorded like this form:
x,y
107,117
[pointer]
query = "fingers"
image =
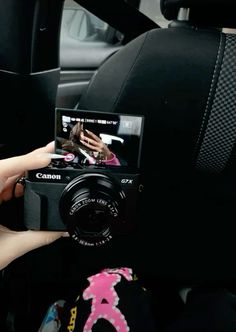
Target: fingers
x,y
8,187
15,244
12,167
92,141
49,148
17,165
36,239
90,144
92,135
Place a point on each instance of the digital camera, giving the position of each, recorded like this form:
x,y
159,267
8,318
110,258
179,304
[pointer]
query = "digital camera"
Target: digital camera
x,y
93,190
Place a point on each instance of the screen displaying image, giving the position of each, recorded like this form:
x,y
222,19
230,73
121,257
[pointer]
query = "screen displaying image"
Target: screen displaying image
x,y
97,138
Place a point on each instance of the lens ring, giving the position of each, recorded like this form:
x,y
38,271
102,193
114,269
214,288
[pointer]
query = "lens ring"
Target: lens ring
x,y
91,205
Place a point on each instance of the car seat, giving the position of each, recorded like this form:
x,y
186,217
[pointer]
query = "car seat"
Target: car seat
x,y
182,79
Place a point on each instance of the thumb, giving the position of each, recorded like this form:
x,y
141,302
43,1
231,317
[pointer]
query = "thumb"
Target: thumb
x,y
15,244
36,239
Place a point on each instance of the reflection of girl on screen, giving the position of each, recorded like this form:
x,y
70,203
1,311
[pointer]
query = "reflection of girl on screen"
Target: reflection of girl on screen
x,y
89,146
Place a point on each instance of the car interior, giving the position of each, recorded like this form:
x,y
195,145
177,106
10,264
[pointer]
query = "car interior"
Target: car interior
x,y
181,79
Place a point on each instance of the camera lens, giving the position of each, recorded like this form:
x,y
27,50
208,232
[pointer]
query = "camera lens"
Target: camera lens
x,y
92,207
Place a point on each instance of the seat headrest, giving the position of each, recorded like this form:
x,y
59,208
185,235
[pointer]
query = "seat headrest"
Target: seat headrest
x,y
215,13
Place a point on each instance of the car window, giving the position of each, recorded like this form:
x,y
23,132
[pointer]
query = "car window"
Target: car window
x,y
81,25
151,8
86,42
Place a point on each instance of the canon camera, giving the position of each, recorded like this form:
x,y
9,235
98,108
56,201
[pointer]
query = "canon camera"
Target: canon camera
x,y
93,189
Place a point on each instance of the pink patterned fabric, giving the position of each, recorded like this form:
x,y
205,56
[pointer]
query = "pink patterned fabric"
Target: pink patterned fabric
x,y
105,299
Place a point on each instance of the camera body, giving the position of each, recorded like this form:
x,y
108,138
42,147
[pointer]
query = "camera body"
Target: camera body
x,y
93,205
92,190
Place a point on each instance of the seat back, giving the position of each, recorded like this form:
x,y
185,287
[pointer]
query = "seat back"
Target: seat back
x,y
182,78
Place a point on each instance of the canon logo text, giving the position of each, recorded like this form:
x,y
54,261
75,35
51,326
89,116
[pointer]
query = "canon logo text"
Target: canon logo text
x,y
48,176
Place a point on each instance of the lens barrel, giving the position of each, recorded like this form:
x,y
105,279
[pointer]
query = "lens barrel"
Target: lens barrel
x,y
92,207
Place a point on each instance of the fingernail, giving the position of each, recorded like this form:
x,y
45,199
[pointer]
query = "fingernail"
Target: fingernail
x,y
52,143
56,156
66,234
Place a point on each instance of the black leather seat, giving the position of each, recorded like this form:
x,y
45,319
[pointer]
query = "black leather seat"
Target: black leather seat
x,y
182,78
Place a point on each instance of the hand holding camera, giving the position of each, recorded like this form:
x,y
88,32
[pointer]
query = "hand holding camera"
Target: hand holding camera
x,y
14,244
93,142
